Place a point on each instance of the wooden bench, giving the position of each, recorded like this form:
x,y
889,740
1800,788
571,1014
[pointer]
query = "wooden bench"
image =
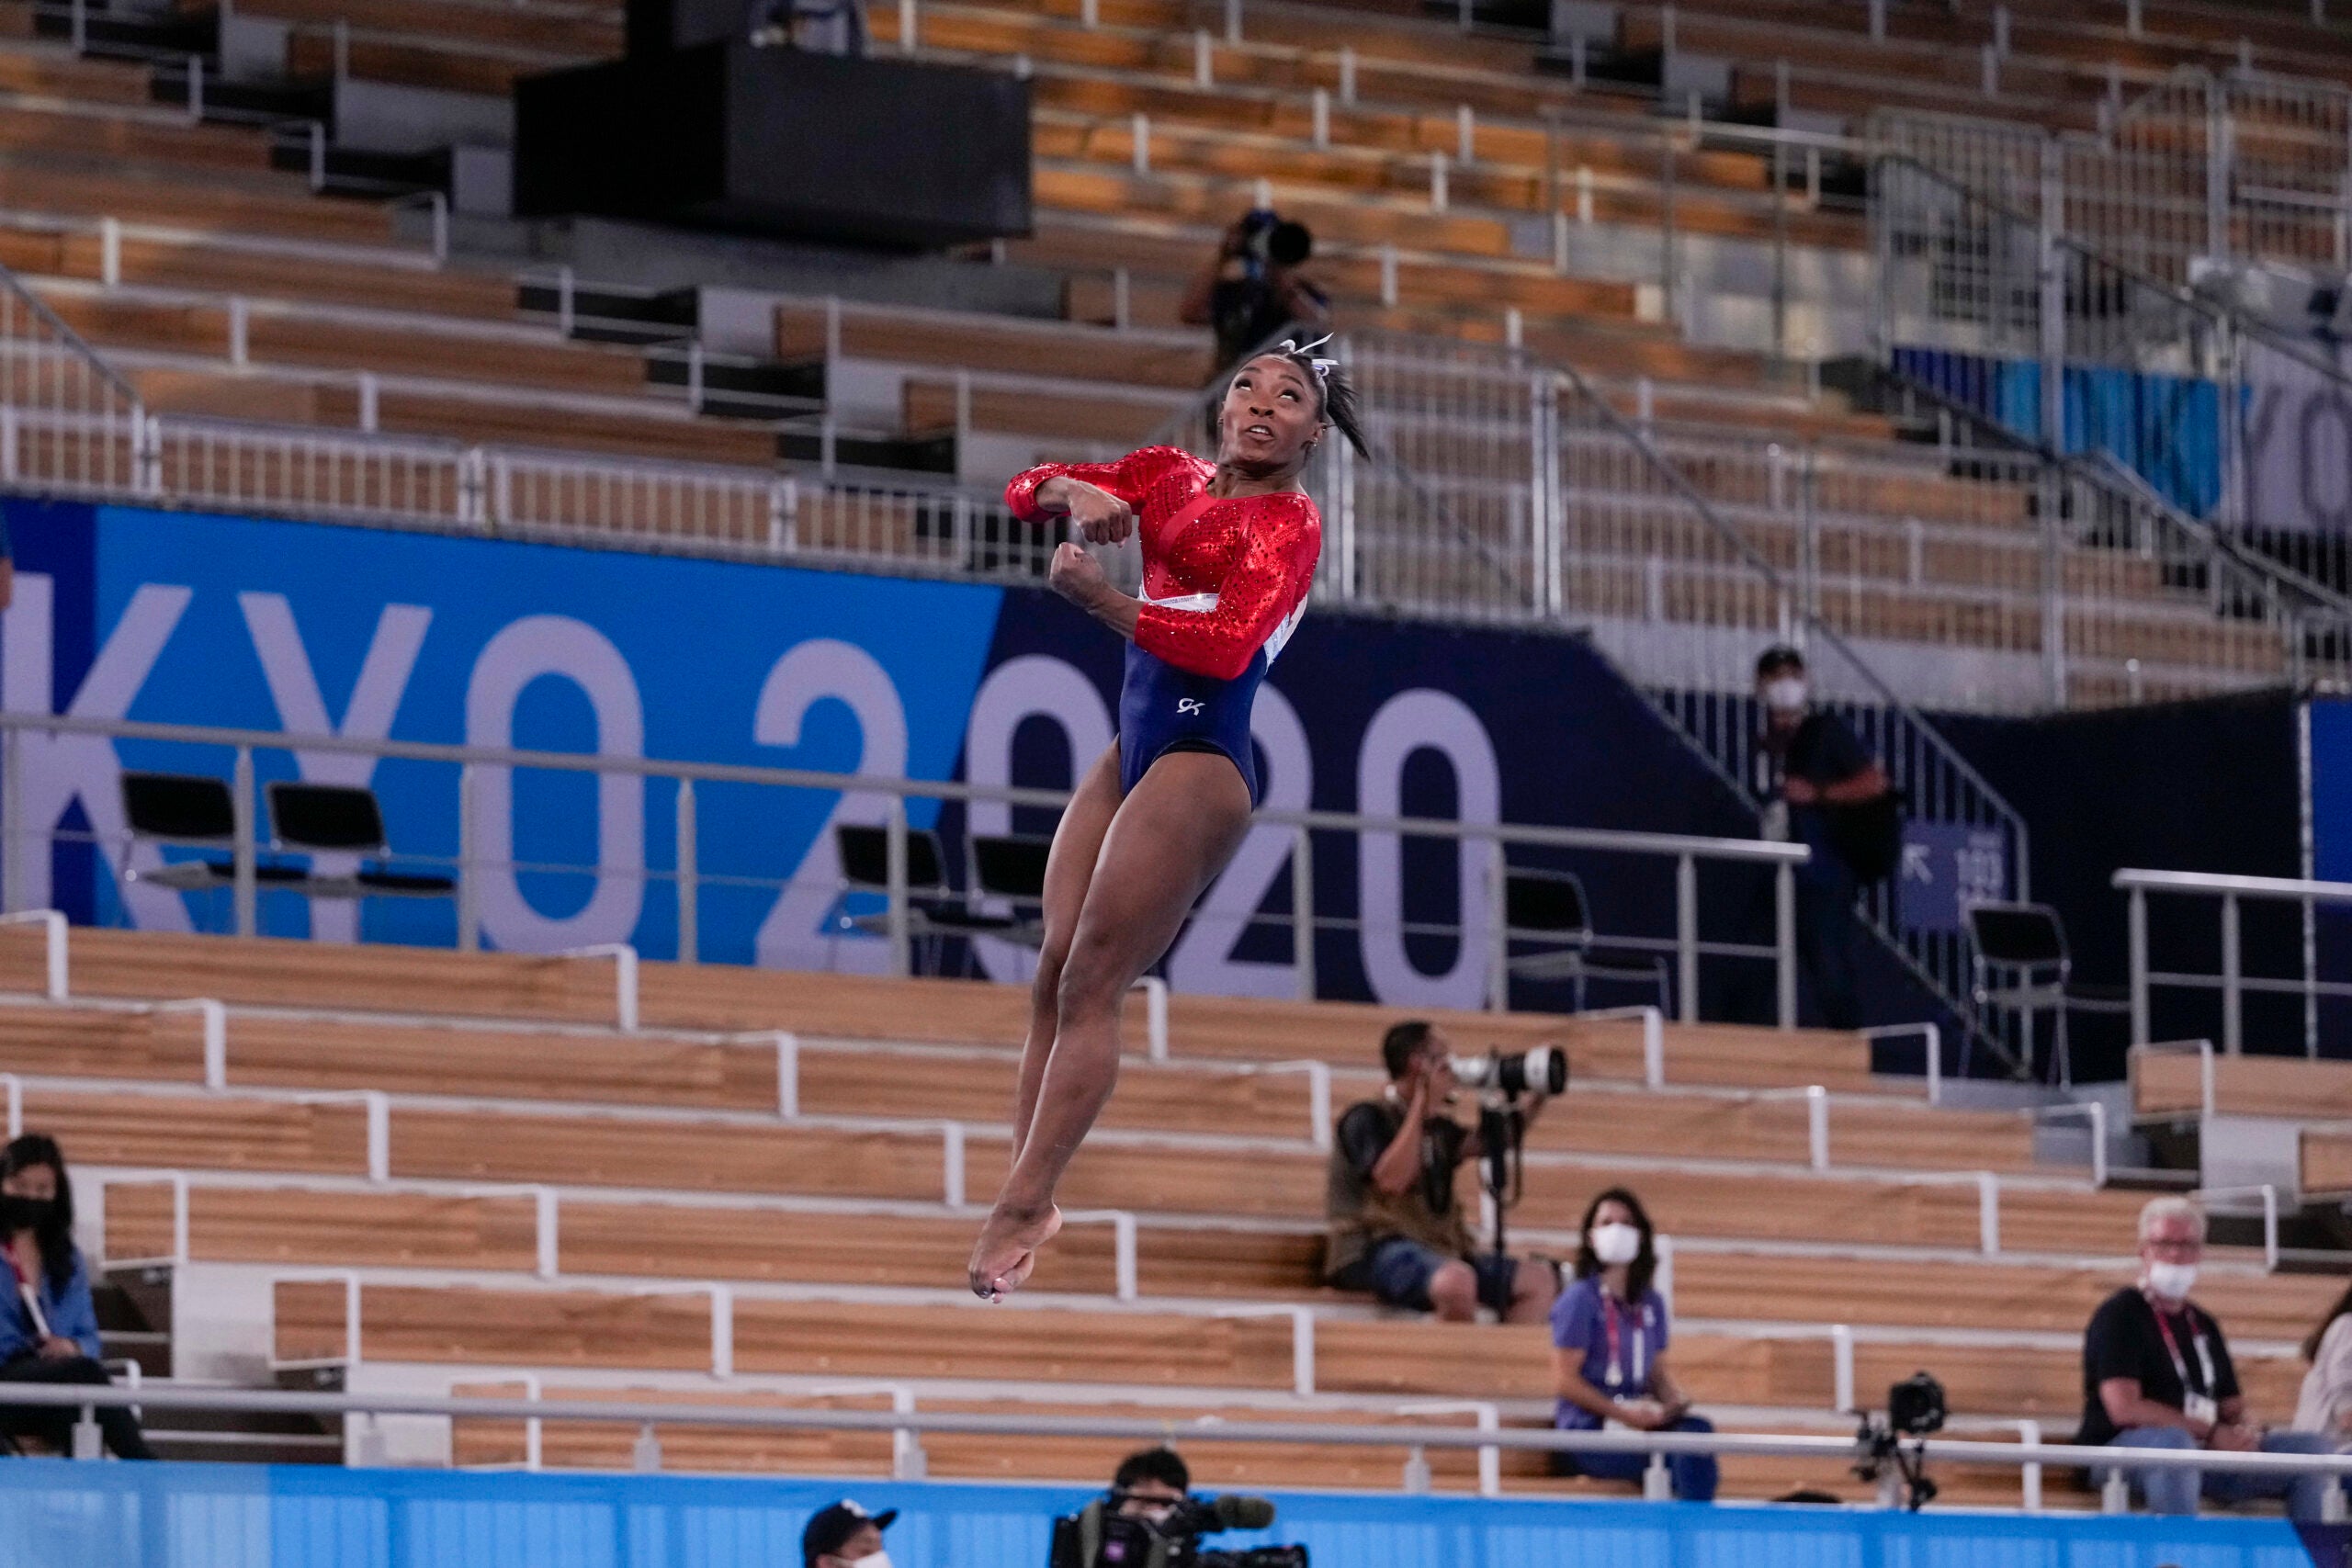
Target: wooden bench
x,y
2168,1085
672,1331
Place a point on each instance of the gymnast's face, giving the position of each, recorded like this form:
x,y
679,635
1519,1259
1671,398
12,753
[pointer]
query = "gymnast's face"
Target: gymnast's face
x,y
1272,419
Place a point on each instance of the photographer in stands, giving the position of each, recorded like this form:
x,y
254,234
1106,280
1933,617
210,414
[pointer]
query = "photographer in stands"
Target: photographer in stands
x,y
1609,1337
1254,288
1395,1219
1826,791
48,1329
2156,1374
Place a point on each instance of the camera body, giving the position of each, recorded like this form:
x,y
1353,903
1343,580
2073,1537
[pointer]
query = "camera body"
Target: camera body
x,y
1543,1068
1099,1536
1267,239
1914,1406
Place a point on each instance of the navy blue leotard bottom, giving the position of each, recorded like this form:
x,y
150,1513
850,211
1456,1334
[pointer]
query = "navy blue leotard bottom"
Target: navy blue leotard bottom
x,y
1164,709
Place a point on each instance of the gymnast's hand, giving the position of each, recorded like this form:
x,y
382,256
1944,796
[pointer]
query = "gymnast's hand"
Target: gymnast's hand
x,y
1100,516
1076,576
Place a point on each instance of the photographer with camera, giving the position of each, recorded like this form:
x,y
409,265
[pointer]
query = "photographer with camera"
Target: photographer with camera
x,y
1396,1223
1254,288
1609,1337
1149,1518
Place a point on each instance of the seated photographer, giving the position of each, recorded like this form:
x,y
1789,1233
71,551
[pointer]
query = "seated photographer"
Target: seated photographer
x,y
1609,1337
48,1329
1396,1223
2156,1374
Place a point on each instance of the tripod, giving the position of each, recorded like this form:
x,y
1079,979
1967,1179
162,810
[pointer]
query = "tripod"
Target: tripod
x,y
1502,1166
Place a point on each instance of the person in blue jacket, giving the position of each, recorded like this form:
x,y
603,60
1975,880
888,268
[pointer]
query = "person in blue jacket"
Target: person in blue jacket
x,y
48,1329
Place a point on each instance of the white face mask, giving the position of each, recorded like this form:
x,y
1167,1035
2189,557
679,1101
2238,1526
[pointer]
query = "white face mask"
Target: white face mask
x,y
1785,694
2172,1280
1615,1244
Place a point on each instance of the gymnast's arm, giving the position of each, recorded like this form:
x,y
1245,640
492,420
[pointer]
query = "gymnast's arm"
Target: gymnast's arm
x,y
1276,563
1100,498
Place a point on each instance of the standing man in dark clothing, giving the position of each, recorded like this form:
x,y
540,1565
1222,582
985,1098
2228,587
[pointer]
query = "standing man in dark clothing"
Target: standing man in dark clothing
x,y
1816,768
1396,1227
1254,288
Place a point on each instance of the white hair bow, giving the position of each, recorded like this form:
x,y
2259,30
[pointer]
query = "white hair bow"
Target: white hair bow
x,y
1323,368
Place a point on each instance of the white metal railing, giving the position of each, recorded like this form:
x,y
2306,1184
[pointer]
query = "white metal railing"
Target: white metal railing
x,y
2016,334
2230,895
2202,168
1418,1439
1480,924
1993,285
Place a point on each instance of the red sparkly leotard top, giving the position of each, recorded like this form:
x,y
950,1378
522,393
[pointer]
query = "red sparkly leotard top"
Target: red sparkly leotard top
x,y
1221,579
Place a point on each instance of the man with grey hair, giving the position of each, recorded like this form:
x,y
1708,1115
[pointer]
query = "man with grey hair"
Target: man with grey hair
x,y
2156,1374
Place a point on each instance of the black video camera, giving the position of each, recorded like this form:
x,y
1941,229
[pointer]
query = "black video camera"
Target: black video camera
x,y
1099,1536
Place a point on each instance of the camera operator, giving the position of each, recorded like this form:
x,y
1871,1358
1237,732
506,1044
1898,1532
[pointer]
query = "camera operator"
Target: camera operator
x,y
1395,1222
1254,288
1149,1518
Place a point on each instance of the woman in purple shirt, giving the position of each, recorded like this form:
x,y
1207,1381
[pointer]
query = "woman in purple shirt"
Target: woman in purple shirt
x,y
1609,1339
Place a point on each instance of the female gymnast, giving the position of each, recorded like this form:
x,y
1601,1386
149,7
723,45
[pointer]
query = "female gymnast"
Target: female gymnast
x,y
1229,556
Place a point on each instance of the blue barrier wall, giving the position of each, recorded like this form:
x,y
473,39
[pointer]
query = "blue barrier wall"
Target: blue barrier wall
x,y
53,1514
298,628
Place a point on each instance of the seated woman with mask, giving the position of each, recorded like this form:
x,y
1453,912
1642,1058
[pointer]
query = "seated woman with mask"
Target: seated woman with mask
x,y
1609,1339
48,1329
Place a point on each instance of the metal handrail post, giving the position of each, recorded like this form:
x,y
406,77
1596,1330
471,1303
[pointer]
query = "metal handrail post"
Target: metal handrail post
x,y
1686,939
245,881
900,925
2233,995
1301,911
689,879
2136,926
1785,940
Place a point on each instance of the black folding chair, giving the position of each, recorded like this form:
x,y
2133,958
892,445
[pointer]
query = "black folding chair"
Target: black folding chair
x,y
316,818
191,811
1012,866
2021,966
934,908
1546,910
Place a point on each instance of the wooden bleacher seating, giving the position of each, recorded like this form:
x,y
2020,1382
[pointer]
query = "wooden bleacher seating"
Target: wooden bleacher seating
x,y
841,1212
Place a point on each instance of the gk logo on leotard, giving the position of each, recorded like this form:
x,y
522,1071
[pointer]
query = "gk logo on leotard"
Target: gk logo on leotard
x,y
1187,704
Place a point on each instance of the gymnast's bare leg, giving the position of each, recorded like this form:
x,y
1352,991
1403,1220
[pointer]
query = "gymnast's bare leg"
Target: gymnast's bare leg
x,y
1162,847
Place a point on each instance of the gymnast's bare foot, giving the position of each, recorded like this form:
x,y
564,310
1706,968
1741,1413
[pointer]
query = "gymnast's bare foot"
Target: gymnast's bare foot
x,y
1007,1250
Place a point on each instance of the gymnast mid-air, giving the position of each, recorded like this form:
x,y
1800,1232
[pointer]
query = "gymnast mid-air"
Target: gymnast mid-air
x,y
1229,556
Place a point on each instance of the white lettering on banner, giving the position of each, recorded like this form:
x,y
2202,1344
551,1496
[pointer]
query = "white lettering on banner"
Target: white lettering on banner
x,y
1406,723
522,652
302,710
56,769
2298,431
1035,685
1202,960
792,937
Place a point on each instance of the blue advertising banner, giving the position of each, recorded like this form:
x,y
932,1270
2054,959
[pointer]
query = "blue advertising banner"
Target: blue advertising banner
x,y
308,629
207,1516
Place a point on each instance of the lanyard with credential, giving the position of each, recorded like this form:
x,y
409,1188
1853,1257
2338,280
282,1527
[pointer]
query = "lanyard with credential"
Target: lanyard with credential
x,y
2180,1366
26,1293
1610,1331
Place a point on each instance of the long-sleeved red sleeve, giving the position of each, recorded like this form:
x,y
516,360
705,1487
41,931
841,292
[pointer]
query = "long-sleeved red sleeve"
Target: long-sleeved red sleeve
x,y
1268,579
1130,479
